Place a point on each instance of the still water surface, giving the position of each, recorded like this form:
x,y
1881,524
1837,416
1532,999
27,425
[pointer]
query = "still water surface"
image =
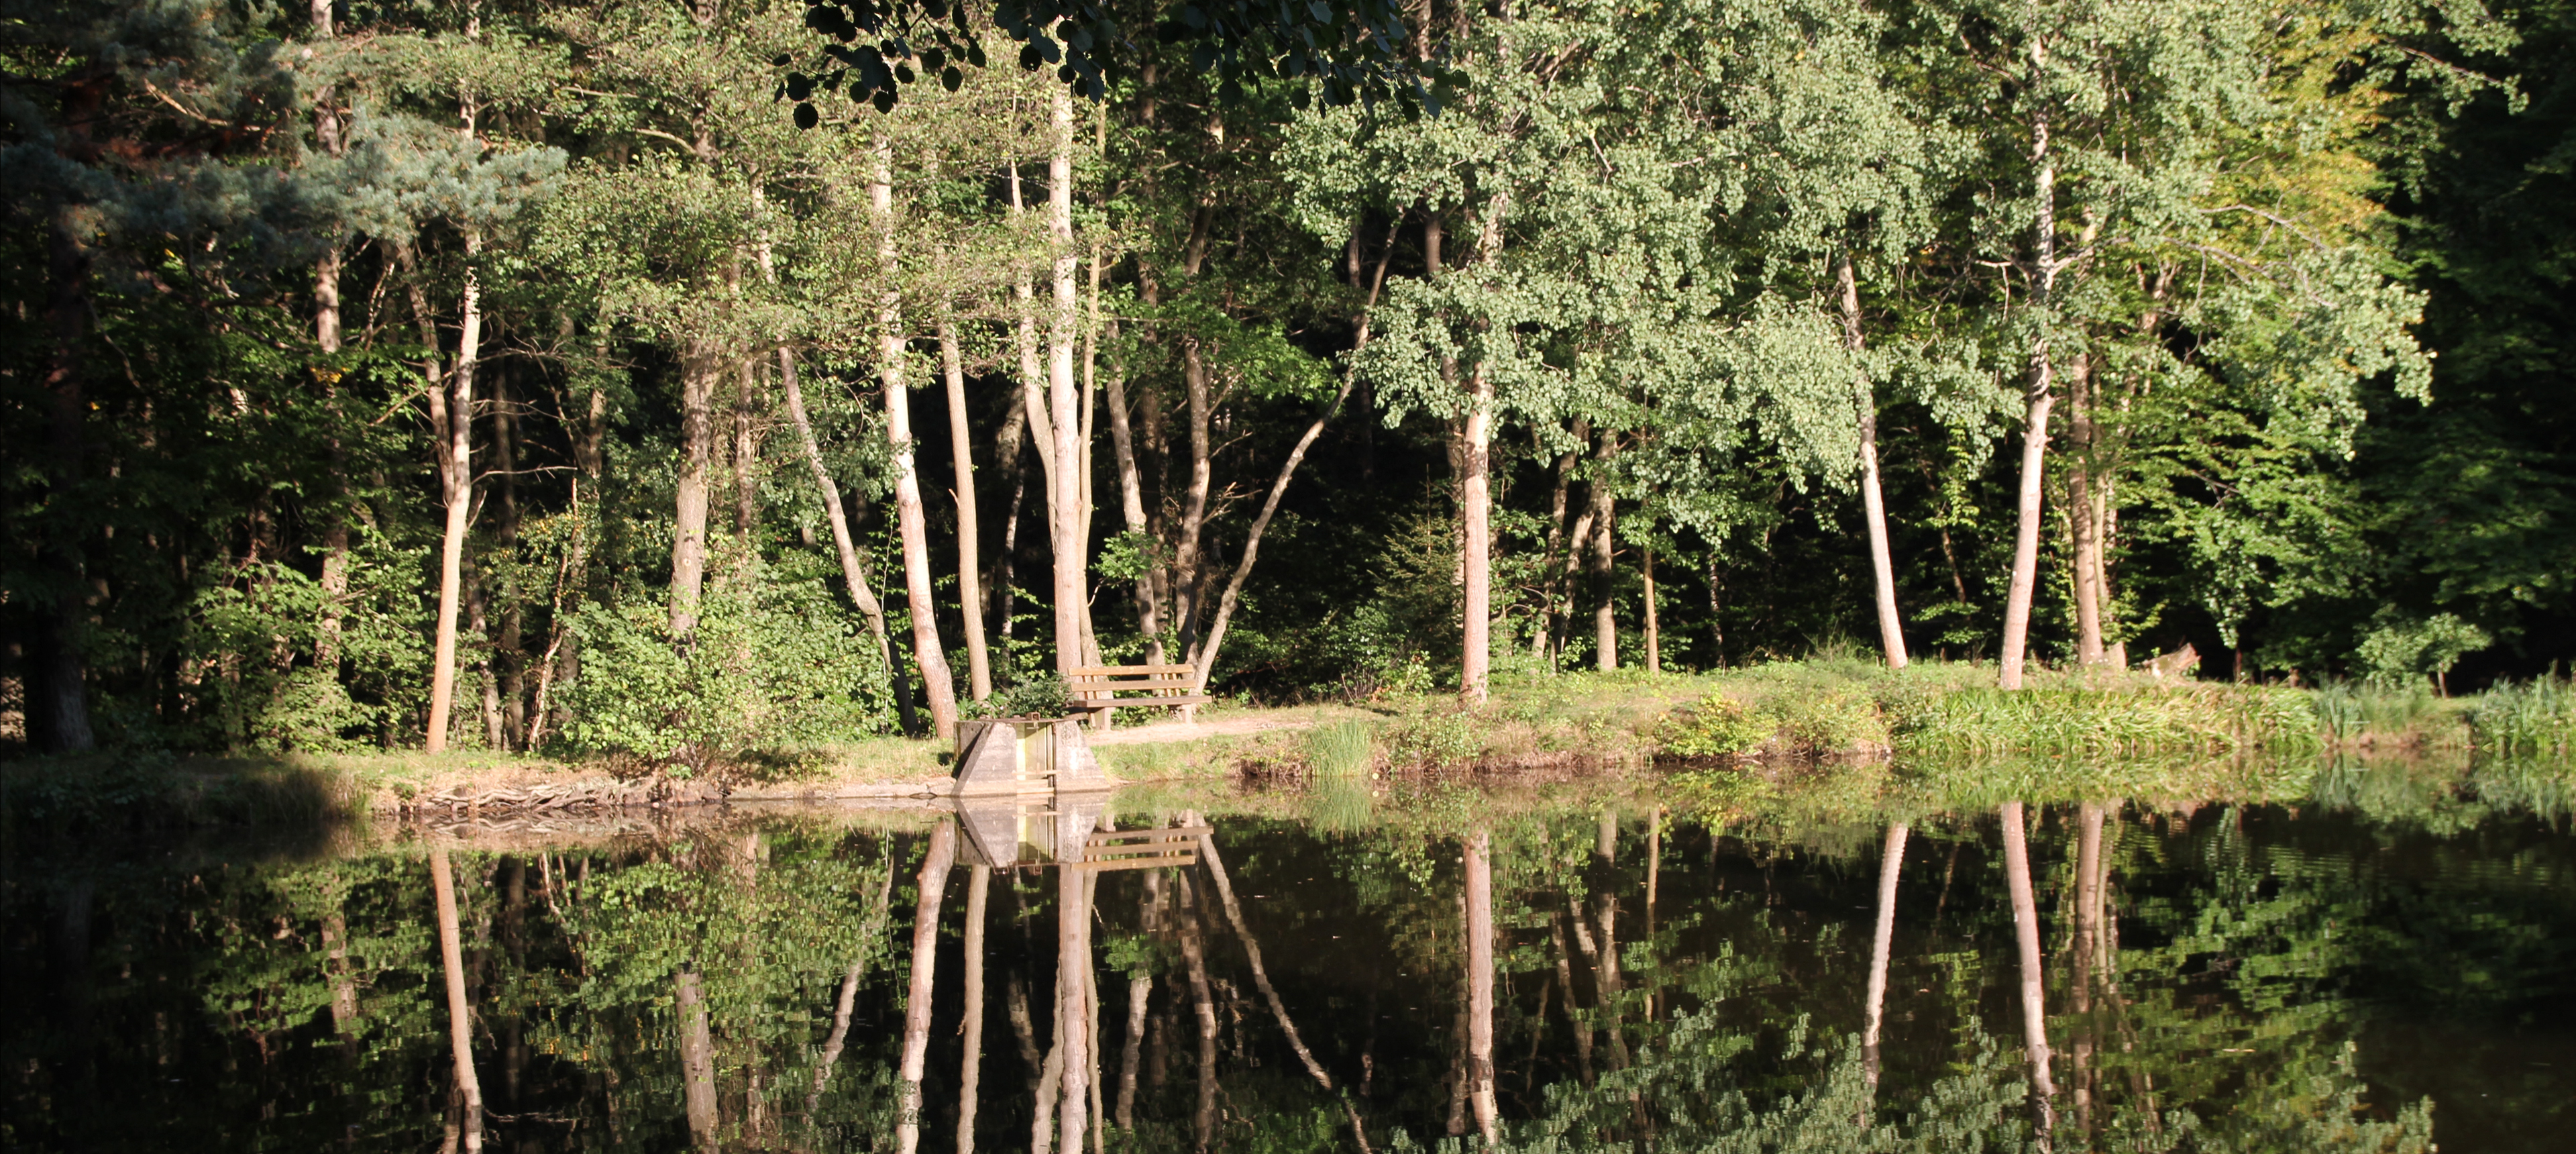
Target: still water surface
x,y
1289,970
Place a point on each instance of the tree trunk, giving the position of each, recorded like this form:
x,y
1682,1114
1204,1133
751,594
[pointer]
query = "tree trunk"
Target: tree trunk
x,y
1270,993
1654,628
456,461
2080,511
1140,992
2034,991
970,593
1543,637
1480,983
1476,489
1073,986
2088,940
2040,396
927,655
1033,386
1873,500
1131,507
63,675
1194,963
1205,659
853,578
1070,561
689,512
1891,864
1605,545
746,458
936,857
460,1013
970,1071
326,337
697,1061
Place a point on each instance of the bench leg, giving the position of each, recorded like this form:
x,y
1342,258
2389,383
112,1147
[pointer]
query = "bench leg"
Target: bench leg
x,y
1189,715
1106,719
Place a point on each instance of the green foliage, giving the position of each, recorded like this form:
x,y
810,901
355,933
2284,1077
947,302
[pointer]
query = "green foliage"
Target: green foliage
x,y
775,666
1436,739
2398,649
1719,726
1045,695
2531,717
2203,719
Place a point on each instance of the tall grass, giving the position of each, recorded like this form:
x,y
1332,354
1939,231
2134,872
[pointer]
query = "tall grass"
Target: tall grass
x,y
2531,717
1341,749
2206,719
2350,713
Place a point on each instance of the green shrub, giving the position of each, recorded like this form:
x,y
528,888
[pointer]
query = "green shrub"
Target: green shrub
x,y
1434,741
1719,726
1041,696
776,667
1815,724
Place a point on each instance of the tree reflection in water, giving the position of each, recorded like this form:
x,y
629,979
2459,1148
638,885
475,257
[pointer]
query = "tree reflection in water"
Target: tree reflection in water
x,y
2218,980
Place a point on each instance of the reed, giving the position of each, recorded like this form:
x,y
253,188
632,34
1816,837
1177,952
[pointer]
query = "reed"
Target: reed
x,y
2526,718
2201,719
1342,749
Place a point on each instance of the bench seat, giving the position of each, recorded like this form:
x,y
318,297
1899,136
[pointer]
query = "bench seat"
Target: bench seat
x,y
1097,689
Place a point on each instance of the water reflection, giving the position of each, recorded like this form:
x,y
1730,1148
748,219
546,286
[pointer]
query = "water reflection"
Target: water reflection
x,y
1066,972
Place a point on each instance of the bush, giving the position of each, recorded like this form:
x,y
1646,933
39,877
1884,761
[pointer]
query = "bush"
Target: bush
x,y
1045,696
1719,726
775,667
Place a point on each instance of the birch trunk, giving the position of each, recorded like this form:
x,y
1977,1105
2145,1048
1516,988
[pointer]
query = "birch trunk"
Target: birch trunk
x,y
927,654
1654,628
326,336
1204,661
456,460
460,1013
1070,585
932,882
970,593
2034,989
1476,494
2039,398
1073,989
1605,545
1891,864
970,1071
1873,500
1033,394
1480,983
689,515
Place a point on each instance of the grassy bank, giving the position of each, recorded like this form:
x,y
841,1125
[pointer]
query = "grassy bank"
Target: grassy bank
x,y
1731,736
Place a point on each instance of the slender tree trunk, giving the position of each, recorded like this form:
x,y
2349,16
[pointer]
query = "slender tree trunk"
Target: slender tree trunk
x,y
1140,992
2040,397
1033,374
1070,561
1873,501
1205,658
933,882
460,1013
927,654
62,672
326,337
2080,511
970,1067
1654,628
2034,990
1605,601
1131,507
970,593
697,1061
1543,638
1480,983
1891,864
1194,963
689,489
2088,940
1269,992
1476,493
457,467
853,577
1573,1012
1073,1002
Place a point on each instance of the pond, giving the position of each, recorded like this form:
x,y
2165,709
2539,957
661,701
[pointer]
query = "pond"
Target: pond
x,y
1577,966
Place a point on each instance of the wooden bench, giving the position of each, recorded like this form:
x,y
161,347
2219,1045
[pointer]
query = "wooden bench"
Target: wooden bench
x,y
1094,689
